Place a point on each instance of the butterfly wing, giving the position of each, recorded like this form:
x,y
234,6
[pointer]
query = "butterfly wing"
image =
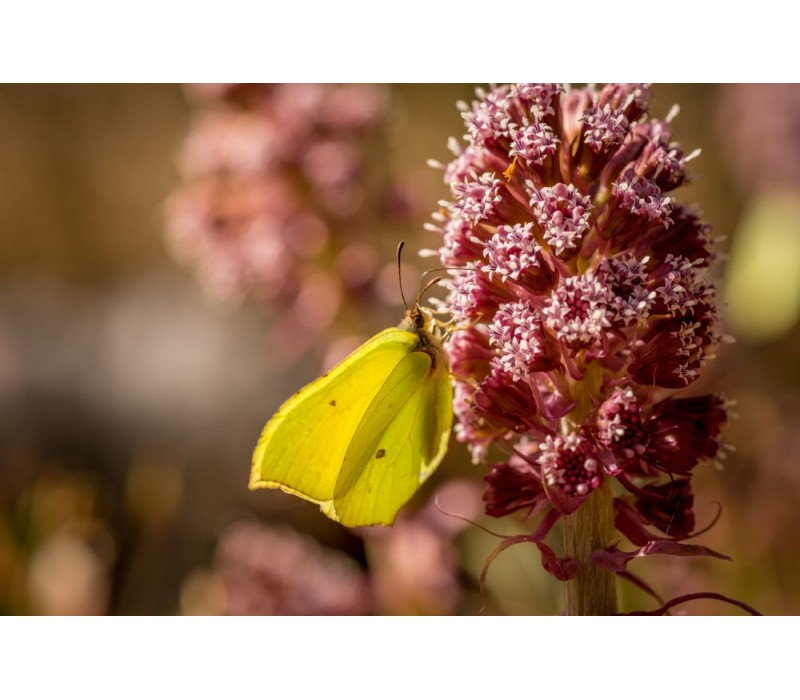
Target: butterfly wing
x,y
400,440
303,447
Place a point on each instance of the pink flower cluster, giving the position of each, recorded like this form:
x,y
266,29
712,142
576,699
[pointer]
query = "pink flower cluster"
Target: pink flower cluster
x,y
273,176
582,306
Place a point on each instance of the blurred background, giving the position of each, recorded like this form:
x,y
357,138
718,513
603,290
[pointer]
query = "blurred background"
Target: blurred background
x,y
175,262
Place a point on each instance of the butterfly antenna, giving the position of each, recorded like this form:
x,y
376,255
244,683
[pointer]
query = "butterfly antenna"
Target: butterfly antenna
x,y
400,272
430,284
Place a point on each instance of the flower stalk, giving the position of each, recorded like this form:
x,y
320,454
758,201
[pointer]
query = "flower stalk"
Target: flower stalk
x,y
594,590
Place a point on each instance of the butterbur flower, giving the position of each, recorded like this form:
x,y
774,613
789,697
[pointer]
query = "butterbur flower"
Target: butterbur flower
x,y
619,430
583,313
570,465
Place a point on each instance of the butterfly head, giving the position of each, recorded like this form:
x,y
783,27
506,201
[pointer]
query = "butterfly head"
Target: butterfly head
x,y
419,320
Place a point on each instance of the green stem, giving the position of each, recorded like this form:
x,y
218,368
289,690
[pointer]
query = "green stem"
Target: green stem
x,y
593,591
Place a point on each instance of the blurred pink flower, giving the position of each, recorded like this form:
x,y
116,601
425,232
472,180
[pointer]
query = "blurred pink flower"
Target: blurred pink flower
x,y
414,565
277,571
286,197
760,124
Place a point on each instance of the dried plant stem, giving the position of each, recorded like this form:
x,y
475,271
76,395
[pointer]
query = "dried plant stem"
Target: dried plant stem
x,y
593,591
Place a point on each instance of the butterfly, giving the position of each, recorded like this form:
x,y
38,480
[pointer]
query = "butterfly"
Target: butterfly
x,y
361,439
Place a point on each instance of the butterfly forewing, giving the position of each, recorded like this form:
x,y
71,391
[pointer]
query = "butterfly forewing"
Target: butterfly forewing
x,y
303,447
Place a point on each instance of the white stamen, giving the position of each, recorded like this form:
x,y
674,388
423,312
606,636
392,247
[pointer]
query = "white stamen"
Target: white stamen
x,y
673,112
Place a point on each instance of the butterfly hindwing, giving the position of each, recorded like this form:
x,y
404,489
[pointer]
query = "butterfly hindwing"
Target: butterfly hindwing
x,y
400,441
439,421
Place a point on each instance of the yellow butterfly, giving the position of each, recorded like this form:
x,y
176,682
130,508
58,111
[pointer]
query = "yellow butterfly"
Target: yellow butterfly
x,y
361,439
